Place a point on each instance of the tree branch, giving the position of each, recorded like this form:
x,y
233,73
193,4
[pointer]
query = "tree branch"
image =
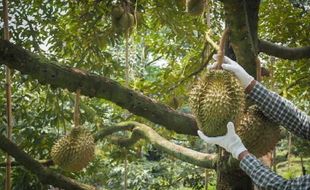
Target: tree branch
x,y
45,163
284,52
48,72
211,42
46,176
196,72
143,131
242,19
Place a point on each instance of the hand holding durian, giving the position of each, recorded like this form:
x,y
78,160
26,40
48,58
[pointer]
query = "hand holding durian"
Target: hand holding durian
x,y
231,142
232,66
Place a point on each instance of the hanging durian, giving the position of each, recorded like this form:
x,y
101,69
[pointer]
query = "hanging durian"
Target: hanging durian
x,y
195,7
257,132
74,151
122,20
217,98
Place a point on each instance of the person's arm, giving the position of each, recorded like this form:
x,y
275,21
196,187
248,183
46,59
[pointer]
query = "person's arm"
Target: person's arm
x,y
264,178
271,104
279,109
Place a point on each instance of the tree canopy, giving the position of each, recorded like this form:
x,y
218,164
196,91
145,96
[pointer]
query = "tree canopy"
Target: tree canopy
x,y
59,46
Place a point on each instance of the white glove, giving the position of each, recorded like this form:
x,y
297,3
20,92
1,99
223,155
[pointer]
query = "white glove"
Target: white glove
x,y
230,65
231,142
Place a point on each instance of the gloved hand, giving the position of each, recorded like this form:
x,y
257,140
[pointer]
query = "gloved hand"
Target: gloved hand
x,y
230,65
231,142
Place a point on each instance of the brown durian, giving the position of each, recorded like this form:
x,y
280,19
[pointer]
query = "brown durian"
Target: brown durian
x,y
74,151
195,7
216,99
258,134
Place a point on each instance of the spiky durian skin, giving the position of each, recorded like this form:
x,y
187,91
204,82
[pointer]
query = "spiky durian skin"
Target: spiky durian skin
x,y
216,99
258,134
73,152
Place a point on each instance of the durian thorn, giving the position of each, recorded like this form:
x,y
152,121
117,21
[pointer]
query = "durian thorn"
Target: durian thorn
x,y
221,50
76,115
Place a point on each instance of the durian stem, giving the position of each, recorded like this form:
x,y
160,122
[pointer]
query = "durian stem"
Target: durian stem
x,y
77,108
221,50
126,58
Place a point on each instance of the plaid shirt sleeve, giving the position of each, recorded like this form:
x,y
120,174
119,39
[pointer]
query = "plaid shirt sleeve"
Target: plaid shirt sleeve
x,y
281,110
264,178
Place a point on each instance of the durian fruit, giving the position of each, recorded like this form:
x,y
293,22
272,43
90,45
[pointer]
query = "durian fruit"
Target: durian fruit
x,y
195,7
216,99
117,12
127,21
74,151
258,134
122,21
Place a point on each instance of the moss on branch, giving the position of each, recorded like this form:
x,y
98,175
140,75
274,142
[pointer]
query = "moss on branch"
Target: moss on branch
x,y
140,131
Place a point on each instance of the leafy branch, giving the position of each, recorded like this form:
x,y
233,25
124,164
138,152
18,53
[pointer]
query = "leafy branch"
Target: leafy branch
x,y
142,131
49,72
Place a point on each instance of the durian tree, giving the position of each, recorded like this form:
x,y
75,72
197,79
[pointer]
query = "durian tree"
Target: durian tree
x,y
85,40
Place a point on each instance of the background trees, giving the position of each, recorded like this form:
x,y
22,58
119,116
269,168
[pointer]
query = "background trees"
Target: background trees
x,y
165,49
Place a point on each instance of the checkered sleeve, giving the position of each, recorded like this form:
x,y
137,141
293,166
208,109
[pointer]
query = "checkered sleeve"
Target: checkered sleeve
x,y
281,110
264,178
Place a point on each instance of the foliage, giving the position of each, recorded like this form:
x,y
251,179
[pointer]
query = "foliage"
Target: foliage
x,y
165,48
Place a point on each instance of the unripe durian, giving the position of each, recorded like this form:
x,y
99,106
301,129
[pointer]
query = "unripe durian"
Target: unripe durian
x,y
195,7
74,151
258,134
122,21
216,99
127,21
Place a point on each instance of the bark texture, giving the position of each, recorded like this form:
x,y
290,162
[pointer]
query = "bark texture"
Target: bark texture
x,y
48,72
241,16
141,131
284,52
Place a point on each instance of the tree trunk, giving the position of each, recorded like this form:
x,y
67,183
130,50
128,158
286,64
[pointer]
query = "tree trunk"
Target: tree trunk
x,y
241,16
230,176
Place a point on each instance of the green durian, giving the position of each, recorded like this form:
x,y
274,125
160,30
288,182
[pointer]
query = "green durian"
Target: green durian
x,y
258,134
122,21
74,151
216,99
